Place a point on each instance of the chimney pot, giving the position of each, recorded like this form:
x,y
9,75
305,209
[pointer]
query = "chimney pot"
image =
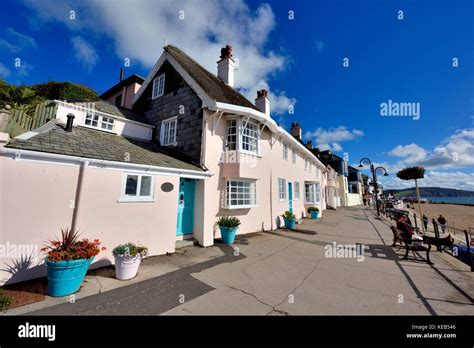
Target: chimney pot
x,y
70,120
226,66
262,102
295,130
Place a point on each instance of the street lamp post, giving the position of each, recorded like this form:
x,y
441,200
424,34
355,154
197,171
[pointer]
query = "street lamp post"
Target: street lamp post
x,y
367,162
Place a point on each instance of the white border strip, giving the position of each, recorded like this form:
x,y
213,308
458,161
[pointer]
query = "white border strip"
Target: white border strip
x,y
46,157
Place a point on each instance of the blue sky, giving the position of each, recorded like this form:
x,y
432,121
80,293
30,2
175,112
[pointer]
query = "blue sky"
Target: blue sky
x,y
299,59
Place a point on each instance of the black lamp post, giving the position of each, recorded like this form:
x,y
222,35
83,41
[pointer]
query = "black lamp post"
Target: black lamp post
x,y
379,170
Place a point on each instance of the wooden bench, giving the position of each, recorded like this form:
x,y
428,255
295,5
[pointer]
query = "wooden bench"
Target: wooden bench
x,y
398,236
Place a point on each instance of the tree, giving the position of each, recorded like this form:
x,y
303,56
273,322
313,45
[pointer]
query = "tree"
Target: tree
x,y
413,173
18,97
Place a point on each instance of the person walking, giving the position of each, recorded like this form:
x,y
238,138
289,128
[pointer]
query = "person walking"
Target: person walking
x,y
442,221
425,222
365,201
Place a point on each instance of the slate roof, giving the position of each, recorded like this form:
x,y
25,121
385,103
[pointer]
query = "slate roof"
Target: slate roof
x,y
214,87
102,105
118,87
96,144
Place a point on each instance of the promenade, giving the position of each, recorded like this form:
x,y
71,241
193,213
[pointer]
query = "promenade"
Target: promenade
x,y
286,273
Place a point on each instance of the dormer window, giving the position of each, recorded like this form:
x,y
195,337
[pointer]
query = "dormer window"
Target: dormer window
x,y
99,122
158,86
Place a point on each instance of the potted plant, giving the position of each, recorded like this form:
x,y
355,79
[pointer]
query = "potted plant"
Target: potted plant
x,y
67,262
228,226
313,212
290,220
127,260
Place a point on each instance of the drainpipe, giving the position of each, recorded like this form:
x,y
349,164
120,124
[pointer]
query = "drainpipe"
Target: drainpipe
x,y
77,199
271,200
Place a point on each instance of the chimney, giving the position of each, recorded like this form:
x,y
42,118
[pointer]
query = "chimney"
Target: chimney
x,y
121,74
226,66
262,102
70,120
309,144
295,130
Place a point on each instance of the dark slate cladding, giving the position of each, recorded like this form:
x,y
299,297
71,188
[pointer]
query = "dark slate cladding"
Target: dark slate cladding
x,y
177,93
90,143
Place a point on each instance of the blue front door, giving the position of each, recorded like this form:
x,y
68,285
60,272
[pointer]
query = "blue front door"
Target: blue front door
x,y
185,207
290,196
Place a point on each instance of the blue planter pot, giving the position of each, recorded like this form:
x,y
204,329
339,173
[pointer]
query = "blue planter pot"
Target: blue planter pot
x,y
65,277
290,223
228,234
314,214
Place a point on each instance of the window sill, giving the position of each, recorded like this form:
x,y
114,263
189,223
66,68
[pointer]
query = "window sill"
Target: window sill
x,y
136,200
245,153
240,207
98,129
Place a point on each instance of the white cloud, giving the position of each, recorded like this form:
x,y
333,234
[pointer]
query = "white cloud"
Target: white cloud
x,y
84,53
456,151
16,42
4,71
330,139
138,30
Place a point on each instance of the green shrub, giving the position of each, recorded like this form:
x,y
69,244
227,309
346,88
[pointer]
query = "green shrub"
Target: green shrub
x,y
5,301
64,91
130,249
228,221
288,215
310,209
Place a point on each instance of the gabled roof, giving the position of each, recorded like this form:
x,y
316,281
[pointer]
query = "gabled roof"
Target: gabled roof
x,y
214,88
109,108
118,87
95,144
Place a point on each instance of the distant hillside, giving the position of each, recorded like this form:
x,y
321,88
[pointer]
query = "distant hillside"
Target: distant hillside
x,y
431,192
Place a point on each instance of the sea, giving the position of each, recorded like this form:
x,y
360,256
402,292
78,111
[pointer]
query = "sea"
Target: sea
x,y
459,200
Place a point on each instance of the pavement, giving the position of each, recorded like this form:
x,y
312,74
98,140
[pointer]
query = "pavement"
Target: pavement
x,y
284,273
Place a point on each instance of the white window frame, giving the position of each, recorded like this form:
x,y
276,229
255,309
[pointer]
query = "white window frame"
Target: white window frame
x,y
137,197
101,121
158,86
163,136
233,124
306,162
312,192
285,151
293,156
297,190
252,193
239,144
281,189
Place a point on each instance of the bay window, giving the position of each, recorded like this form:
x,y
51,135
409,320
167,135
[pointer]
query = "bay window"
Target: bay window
x,y
242,135
313,194
241,193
